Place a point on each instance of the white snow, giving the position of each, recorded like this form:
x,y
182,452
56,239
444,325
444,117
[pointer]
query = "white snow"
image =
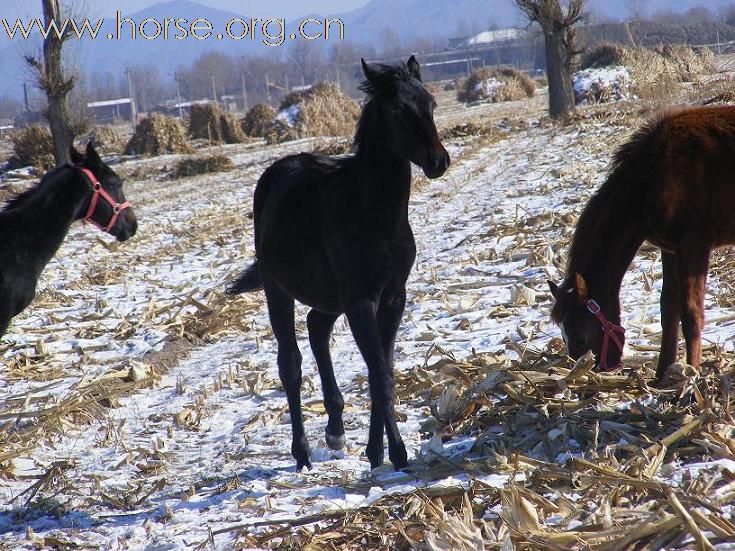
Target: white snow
x,y
227,461
602,84
289,116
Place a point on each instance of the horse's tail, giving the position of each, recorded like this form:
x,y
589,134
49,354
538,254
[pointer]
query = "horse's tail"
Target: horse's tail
x,y
248,281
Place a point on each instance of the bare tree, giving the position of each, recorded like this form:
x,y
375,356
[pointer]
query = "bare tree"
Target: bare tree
x,y
638,9
558,27
50,78
390,42
9,107
727,14
306,58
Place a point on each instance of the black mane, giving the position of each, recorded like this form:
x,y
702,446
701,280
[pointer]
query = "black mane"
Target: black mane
x,y
385,78
24,198
384,81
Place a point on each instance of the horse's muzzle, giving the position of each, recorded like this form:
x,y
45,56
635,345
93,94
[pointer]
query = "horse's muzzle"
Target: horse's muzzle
x,y
437,166
128,227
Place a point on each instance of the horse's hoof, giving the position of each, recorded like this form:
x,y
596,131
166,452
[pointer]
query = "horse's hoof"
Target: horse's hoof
x,y
376,462
335,441
303,463
399,459
301,452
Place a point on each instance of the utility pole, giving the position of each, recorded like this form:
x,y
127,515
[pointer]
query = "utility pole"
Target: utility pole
x,y
214,88
244,91
177,78
267,88
133,110
26,99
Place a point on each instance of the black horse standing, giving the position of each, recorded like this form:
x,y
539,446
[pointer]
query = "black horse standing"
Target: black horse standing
x,y
34,224
333,233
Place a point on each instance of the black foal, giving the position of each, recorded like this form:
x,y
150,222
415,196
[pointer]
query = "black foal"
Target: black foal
x,y
333,233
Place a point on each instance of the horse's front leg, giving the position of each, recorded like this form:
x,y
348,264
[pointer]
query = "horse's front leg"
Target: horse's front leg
x,y
693,267
363,318
670,313
4,323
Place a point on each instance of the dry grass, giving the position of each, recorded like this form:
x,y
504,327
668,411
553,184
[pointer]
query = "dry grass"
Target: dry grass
x,y
208,122
159,135
470,130
523,414
34,147
231,129
194,166
333,147
107,140
718,91
496,84
606,54
323,110
259,122
654,73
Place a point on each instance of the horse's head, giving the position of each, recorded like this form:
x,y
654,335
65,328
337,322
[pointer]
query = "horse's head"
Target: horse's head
x,y
107,207
406,112
585,325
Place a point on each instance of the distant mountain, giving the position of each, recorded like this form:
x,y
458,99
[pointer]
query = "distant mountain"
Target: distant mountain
x,y
619,9
377,23
412,19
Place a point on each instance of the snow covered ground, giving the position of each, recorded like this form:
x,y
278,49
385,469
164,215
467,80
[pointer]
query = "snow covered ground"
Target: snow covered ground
x,y
202,444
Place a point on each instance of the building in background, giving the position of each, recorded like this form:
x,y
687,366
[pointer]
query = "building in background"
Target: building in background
x,y
112,111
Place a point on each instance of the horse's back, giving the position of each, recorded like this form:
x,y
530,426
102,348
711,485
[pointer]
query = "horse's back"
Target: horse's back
x,y
318,238
683,163
289,225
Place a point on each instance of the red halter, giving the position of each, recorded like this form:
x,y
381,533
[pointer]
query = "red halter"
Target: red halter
x,y
97,191
609,332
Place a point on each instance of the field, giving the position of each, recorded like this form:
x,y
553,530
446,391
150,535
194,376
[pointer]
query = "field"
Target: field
x,y
141,408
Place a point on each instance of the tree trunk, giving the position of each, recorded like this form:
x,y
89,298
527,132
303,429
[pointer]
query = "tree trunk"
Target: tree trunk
x,y
561,93
57,87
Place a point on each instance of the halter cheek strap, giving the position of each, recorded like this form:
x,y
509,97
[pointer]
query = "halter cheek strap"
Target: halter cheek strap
x,y
97,192
610,332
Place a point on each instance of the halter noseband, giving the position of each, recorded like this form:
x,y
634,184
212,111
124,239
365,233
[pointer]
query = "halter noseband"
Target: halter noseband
x,y
609,332
97,191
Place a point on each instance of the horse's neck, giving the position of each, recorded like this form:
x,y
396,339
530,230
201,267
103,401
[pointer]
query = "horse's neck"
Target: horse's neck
x,y
385,186
44,222
609,251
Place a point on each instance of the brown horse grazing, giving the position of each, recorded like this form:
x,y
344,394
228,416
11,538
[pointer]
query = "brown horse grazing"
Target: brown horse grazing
x,y
673,185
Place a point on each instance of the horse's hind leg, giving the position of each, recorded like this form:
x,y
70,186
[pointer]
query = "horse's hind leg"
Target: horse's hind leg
x,y
320,328
693,266
281,312
670,313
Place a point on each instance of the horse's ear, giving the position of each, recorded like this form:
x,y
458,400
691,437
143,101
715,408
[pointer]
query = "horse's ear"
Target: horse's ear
x,y
554,288
76,157
414,68
368,71
581,285
92,157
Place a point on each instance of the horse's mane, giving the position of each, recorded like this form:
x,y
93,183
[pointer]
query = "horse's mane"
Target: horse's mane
x,y
619,195
24,198
385,79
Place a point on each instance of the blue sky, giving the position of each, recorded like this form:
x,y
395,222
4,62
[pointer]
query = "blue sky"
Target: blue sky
x,y
282,8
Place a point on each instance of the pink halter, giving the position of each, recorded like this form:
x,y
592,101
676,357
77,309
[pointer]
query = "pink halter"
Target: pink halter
x,y
609,332
97,191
